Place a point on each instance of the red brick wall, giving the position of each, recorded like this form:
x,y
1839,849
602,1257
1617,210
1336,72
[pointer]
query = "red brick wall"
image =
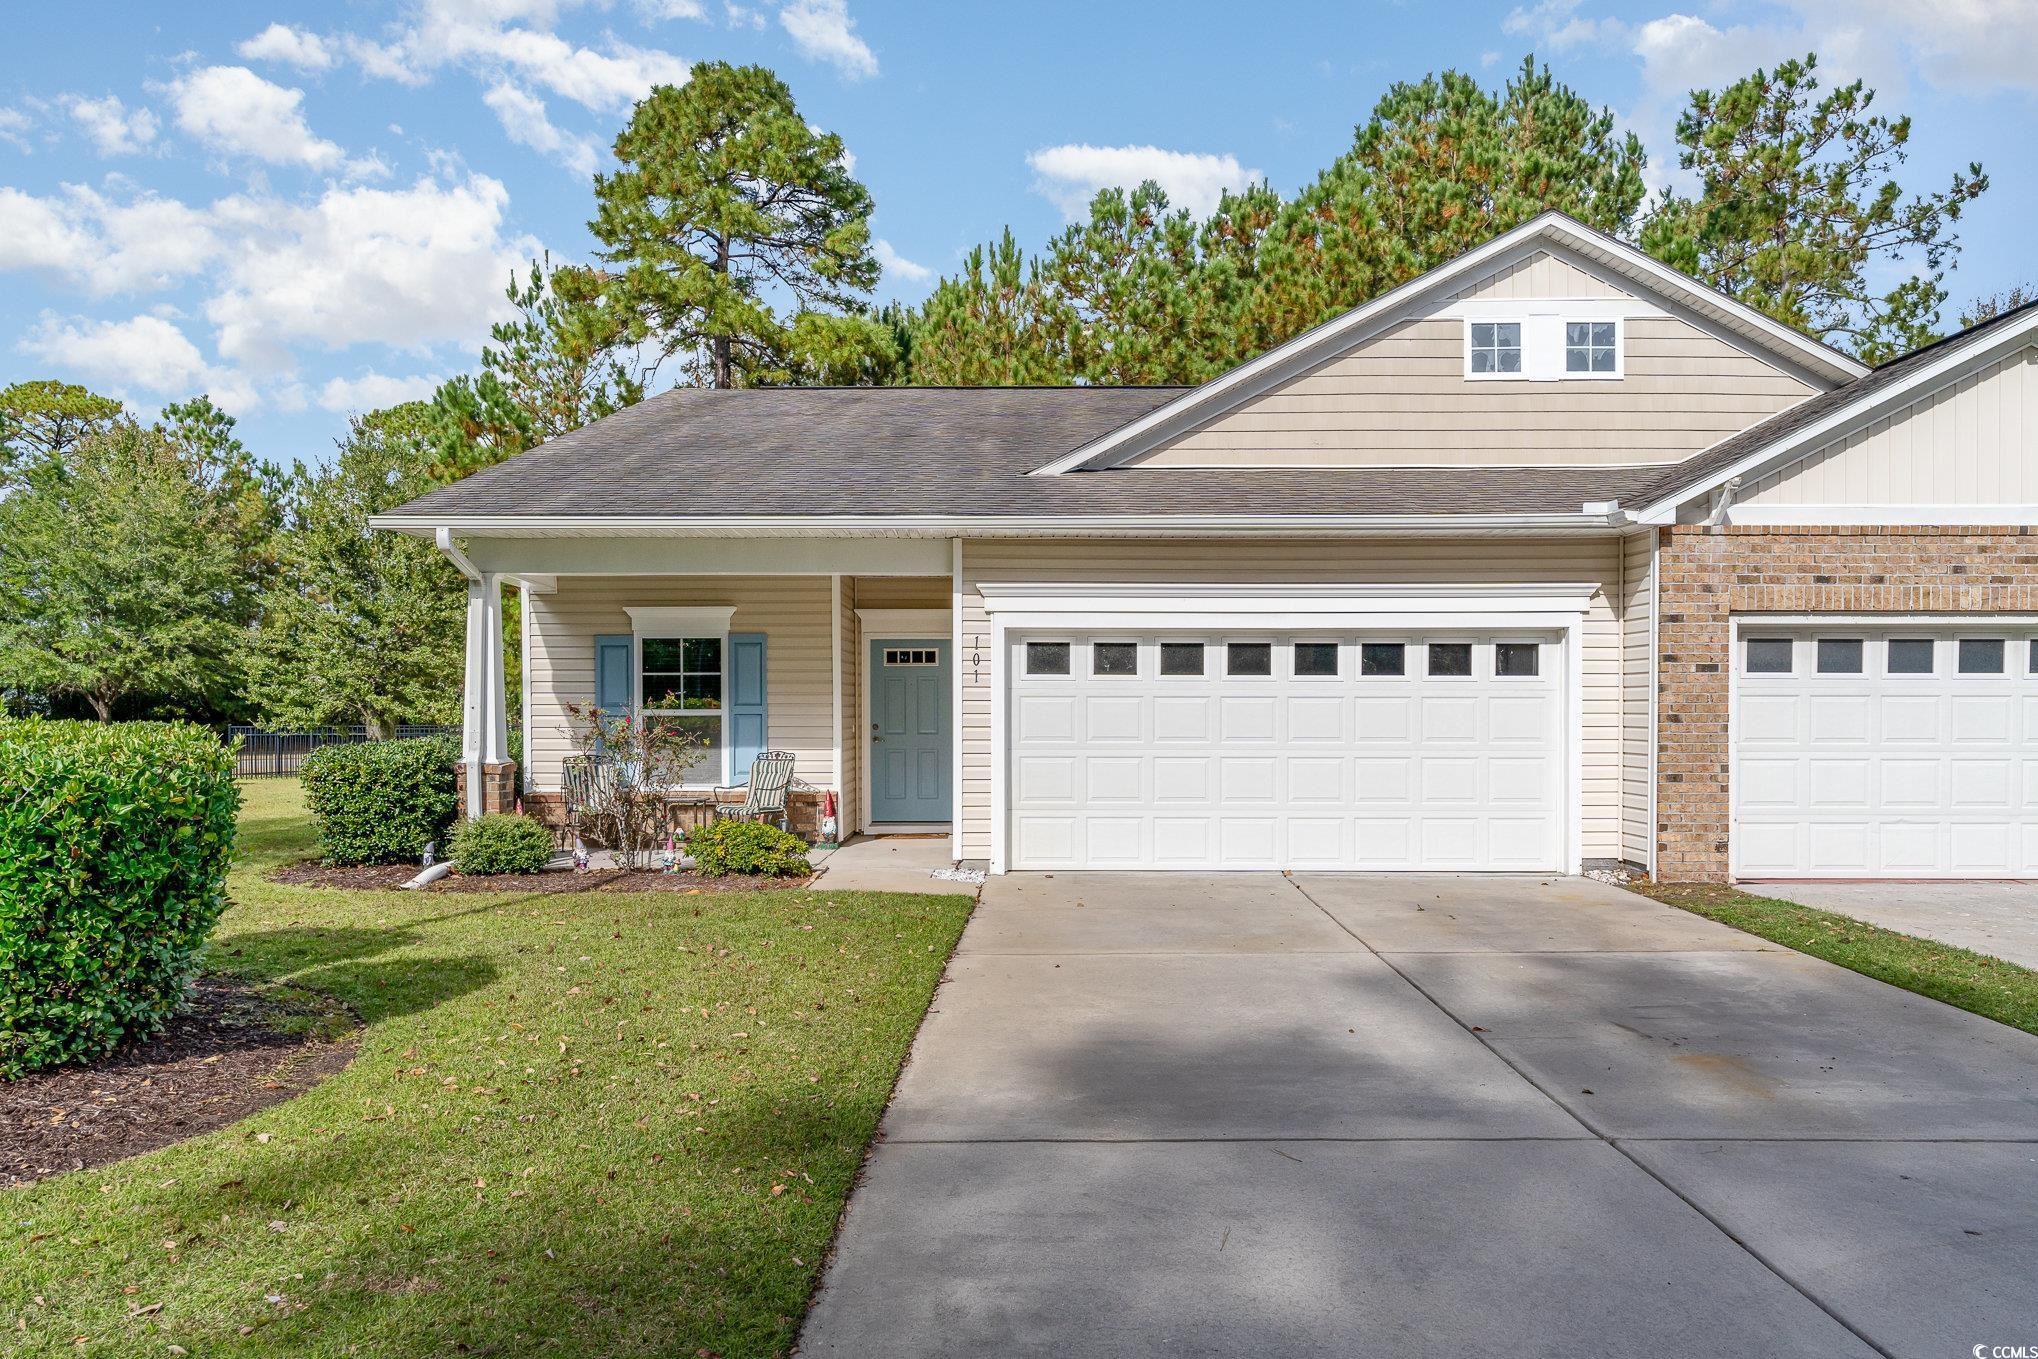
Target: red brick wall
x,y
1707,574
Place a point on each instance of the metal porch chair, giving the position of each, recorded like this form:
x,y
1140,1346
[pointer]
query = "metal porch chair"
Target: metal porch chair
x,y
771,777
581,782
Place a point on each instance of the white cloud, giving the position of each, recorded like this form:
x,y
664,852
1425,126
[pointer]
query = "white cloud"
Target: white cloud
x,y
1070,176
230,108
823,31
145,354
1556,25
292,47
898,266
655,11
494,37
115,129
742,16
408,268
14,125
372,391
523,117
87,240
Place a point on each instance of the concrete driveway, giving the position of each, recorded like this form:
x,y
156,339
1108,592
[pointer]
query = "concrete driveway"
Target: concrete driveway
x,y
1340,1115
1996,918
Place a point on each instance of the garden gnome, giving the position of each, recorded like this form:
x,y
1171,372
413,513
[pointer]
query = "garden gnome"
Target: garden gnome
x,y
579,855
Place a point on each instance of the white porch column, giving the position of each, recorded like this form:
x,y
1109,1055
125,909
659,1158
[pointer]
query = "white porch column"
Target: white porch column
x,y
484,716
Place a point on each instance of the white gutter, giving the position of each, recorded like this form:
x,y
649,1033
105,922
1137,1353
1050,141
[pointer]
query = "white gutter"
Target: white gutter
x,y
443,527
444,536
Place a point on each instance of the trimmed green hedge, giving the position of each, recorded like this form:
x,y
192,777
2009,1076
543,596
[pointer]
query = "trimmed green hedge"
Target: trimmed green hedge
x,y
380,802
114,846
747,847
501,844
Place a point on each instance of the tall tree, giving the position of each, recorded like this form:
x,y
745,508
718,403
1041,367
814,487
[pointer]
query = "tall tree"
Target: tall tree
x,y
558,364
123,575
1797,207
1442,165
42,418
1989,306
728,203
988,327
361,626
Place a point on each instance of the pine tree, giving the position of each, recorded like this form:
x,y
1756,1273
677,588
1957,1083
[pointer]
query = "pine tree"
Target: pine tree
x,y
727,205
1797,206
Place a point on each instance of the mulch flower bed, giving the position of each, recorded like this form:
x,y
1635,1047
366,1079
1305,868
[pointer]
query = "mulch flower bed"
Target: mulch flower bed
x,y
231,1052
390,877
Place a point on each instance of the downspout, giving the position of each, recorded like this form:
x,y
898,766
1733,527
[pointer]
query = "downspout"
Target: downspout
x,y
1722,502
455,555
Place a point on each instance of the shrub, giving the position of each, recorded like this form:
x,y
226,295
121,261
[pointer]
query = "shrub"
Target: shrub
x,y
748,847
381,801
501,844
114,846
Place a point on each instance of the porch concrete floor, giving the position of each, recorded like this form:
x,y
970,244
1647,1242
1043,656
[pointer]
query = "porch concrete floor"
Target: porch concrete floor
x,y
890,863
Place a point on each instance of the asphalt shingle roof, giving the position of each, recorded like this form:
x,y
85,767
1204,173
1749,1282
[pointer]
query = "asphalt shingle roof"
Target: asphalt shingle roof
x,y
948,451
963,451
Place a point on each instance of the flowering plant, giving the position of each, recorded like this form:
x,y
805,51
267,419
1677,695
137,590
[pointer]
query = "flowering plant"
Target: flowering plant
x,y
634,762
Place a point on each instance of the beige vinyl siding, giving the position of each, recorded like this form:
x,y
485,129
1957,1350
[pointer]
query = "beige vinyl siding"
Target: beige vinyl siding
x,y
1638,693
902,592
1402,398
1302,561
850,790
791,611
1541,275
1972,442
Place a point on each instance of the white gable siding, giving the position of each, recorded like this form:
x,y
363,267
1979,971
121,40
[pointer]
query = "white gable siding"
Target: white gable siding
x,y
1401,397
1540,275
1970,443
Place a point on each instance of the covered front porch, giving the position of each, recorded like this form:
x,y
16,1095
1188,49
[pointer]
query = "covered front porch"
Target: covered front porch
x,y
841,651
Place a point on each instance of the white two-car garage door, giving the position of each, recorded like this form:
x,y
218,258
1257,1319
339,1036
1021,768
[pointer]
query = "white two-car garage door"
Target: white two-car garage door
x,y
1885,750
1178,751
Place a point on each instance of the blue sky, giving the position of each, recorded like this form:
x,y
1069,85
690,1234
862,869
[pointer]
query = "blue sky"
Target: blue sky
x,y
312,209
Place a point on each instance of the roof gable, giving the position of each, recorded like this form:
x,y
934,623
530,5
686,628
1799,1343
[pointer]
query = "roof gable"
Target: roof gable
x,y
1551,241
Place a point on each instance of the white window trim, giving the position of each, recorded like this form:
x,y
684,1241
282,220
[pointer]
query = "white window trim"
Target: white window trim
x,y
1543,344
1522,322
670,623
1620,348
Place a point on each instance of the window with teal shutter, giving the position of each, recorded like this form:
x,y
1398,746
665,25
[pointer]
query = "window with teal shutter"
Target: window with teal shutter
x,y
612,674
745,706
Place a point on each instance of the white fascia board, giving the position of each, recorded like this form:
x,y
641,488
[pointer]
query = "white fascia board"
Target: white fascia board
x,y
2006,516
1842,420
1194,605
981,526
680,620
1319,343
909,623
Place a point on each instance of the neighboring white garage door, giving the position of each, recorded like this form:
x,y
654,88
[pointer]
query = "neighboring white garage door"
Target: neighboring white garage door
x,y
1885,751
1280,751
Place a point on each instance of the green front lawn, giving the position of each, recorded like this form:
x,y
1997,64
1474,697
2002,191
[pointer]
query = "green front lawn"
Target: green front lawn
x,y
1973,981
582,1125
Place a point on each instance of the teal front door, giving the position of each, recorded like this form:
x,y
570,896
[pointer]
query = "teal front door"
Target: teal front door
x,y
909,730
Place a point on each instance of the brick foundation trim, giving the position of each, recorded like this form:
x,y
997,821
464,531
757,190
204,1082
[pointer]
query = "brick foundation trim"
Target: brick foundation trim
x,y
1707,576
498,786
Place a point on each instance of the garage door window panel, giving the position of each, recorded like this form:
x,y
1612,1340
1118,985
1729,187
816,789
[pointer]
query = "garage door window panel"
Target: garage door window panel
x,y
1981,655
1383,660
1182,659
1517,660
1249,660
1770,656
1114,658
1449,660
1910,656
1316,660
1840,655
1047,658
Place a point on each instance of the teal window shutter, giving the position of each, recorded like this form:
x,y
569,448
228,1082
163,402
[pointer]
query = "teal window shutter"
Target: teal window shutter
x,y
612,686
745,704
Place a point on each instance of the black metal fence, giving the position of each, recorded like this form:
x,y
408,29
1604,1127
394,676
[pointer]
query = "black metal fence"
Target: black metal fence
x,y
280,754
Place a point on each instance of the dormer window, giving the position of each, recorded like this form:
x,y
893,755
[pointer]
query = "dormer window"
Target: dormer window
x,y
1542,346
1496,348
